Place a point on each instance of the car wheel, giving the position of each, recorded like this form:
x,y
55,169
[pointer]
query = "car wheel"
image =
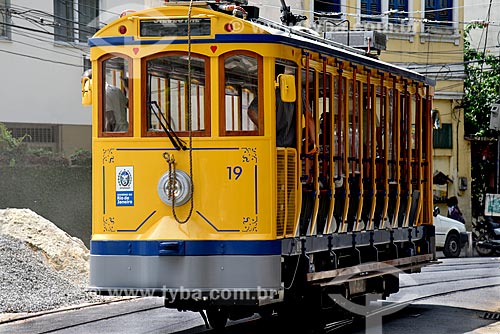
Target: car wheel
x,y
452,246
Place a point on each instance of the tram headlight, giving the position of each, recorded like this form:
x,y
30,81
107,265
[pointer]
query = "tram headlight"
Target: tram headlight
x,y
182,188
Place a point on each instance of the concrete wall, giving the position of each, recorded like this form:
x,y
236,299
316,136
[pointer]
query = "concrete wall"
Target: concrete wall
x,y
59,194
75,137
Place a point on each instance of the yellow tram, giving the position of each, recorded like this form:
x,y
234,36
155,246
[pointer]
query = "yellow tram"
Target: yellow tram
x,y
241,166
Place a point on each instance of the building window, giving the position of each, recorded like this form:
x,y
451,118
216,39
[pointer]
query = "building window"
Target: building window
x,y
76,20
328,6
443,138
4,18
401,16
439,12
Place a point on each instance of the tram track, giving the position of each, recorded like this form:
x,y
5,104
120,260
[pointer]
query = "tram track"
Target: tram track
x,y
142,308
394,307
28,316
441,267
55,324
417,299
464,279
389,308
101,319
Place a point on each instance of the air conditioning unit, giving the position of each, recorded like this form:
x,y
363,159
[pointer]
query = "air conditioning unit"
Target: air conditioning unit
x,y
367,40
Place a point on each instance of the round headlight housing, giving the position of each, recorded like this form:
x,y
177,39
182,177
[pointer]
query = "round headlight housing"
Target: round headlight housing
x,y
182,188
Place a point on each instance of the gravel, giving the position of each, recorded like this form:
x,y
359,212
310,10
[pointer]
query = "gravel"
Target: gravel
x,y
41,267
29,284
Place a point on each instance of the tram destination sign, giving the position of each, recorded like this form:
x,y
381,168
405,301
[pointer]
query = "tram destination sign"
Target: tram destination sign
x,y
174,27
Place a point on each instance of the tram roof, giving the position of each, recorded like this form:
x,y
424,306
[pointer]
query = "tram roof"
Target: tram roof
x,y
292,37
281,34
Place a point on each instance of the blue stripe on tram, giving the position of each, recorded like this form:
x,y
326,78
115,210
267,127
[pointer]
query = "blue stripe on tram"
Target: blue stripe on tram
x,y
185,247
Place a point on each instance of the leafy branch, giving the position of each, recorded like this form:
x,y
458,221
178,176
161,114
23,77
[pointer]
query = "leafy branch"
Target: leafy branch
x,y
481,86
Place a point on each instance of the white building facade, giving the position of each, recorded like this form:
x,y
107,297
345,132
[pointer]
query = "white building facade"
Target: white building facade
x,y
43,52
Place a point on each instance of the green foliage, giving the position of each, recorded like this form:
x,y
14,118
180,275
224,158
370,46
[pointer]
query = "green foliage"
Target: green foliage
x,y
10,147
10,141
81,157
481,86
15,152
481,89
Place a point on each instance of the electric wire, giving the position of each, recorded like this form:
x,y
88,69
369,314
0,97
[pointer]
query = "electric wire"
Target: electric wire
x,y
388,13
40,58
486,38
31,11
47,49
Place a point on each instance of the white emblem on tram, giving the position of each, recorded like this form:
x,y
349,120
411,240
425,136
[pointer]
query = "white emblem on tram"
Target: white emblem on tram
x,y
124,186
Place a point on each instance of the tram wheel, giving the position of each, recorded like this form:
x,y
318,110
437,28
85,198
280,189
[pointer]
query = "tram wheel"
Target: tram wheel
x,y
217,317
266,312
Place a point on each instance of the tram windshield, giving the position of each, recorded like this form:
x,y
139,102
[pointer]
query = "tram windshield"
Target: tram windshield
x,y
167,89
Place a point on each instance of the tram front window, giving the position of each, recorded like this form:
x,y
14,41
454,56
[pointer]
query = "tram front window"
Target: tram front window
x,y
115,112
167,103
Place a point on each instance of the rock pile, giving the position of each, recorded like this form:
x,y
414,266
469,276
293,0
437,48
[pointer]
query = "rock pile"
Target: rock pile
x,y
41,266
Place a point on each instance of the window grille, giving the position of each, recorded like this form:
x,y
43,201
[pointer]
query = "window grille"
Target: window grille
x,y
34,134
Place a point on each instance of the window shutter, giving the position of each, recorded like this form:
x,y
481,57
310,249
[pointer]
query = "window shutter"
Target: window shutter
x,y
443,138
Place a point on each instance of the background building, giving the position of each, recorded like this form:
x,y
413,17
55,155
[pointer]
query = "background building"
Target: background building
x,y
43,53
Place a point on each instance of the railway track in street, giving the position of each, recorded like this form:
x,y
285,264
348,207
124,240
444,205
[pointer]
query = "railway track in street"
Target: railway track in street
x,y
147,315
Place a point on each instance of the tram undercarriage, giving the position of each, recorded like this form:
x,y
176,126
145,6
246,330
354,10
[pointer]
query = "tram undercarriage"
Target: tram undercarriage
x,y
323,276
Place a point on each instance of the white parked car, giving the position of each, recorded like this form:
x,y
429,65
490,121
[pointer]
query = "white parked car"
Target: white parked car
x,y
451,235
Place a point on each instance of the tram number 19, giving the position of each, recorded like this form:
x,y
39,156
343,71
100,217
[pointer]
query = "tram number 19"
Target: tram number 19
x,y
234,172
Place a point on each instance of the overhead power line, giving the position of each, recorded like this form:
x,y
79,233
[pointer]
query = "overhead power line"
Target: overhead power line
x,y
40,58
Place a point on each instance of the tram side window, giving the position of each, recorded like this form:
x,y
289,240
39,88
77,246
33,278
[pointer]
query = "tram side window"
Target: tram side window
x,y
115,103
168,107
241,83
